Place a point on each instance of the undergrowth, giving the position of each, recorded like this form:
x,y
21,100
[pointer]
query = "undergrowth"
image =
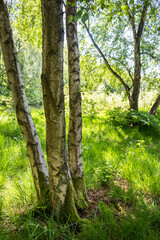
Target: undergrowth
x,y
121,162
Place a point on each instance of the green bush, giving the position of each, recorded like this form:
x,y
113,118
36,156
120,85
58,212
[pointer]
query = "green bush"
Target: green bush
x,y
132,118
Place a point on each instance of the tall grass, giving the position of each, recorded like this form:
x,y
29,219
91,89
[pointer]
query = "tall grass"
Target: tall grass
x,y
121,159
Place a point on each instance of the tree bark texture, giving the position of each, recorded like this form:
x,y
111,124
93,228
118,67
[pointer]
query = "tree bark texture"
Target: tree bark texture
x,y
155,106
53,96
137,34
25,121
75,114
63,195
137,75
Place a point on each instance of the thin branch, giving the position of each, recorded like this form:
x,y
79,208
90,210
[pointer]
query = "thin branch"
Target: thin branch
x,y
107,63
151,55
128,69
143,16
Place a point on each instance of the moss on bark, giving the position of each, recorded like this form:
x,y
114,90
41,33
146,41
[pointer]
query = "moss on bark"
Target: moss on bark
x,y
70,211
81,194
71,206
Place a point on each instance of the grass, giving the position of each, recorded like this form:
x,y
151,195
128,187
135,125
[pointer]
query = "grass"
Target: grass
x,y
122,172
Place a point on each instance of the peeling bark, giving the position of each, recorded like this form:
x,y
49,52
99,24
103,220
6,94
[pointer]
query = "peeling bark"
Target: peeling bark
x,y
63,194
155,106
53,96
75,114
25,121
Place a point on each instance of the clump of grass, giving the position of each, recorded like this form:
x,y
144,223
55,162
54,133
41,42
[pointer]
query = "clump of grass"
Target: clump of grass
x,y
118,224
122,117
104,173
121,155
27,226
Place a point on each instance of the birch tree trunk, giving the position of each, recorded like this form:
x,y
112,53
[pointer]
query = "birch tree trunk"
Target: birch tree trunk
x,y
155,106
63,195
34,149
75,115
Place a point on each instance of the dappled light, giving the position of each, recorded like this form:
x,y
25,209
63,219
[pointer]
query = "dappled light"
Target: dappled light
x,y
79,120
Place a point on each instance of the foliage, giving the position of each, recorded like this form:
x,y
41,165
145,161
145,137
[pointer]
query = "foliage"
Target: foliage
x,y
124,159
4,86
140,224
132,118
120,148
105,173
109,25
30,66
26,18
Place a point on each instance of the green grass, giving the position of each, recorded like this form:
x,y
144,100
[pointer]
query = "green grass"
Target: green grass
x,y
121,156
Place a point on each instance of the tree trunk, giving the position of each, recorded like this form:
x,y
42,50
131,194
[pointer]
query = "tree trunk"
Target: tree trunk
x,y
75,115
137,34
62,191
155,106
36,156
137,75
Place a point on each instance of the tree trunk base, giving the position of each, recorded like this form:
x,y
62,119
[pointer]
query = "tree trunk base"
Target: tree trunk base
x,y
80,195
73,203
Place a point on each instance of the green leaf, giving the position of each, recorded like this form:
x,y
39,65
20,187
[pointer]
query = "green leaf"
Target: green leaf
x,y
124,7
131,1
70,19
85,17
79,14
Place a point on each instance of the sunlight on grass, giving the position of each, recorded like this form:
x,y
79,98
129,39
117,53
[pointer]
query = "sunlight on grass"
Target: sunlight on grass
x,y
121,156
19,194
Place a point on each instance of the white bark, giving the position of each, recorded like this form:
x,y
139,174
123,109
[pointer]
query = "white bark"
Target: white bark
x,y
75,114
36,156
52,84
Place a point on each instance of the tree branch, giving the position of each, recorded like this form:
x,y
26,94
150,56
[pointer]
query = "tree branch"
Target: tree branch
x,y
151,55
131,19
128,69
143,16
107,63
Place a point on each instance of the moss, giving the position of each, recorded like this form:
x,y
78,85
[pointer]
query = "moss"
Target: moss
x,y
81,195
70,212
75,201
79,186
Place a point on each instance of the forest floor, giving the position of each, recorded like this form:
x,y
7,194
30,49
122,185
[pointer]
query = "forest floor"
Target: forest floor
x,y
122,172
